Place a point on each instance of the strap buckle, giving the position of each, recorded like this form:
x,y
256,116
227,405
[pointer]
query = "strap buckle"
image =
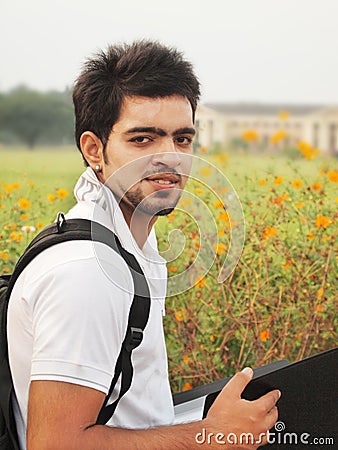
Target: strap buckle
x,y
136,336
60,221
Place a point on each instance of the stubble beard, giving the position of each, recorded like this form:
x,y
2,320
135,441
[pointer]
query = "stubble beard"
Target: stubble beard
x,y
150,206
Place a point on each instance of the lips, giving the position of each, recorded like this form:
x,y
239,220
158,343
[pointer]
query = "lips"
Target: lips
x,y
163,180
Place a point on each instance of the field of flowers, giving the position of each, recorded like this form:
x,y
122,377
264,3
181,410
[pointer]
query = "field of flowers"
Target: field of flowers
x,y
279,302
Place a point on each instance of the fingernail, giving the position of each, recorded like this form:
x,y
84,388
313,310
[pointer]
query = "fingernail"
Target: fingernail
x,y
247,371
279,394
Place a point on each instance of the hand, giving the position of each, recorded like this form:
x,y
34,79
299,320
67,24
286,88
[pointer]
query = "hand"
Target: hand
x,y
232,414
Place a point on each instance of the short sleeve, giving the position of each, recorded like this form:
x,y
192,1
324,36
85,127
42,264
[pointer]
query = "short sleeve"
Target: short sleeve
x,y
79,319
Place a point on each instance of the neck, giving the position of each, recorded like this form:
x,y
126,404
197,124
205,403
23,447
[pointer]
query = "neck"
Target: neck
x,y
140,225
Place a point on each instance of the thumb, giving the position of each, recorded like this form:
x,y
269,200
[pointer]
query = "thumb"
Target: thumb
x,y
238,383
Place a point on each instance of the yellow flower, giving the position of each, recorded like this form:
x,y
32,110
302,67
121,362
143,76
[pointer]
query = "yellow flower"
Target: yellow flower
x,y
16,237
39,225
62,193
262,182
297,184
322,221
220,248
51,197
250,135
205,171
24,203
299,205
24,217
269,232
31,184
198,191
278,136
320,293
316,186
283,115
278,180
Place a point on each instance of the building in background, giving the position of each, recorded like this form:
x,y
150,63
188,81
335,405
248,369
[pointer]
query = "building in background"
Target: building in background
x,y
268,126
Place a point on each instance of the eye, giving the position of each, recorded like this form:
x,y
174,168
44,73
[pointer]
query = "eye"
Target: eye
x,y
141,139
184,140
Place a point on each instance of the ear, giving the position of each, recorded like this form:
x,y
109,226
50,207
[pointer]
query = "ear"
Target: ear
x,y
92,148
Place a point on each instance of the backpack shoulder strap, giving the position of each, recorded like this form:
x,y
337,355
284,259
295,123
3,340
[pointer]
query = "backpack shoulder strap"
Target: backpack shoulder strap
x,y
82,229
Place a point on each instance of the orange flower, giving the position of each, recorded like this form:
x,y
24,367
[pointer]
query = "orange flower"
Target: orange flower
x,y
24,203
186,387
62,193
264,335
322,221
203,149
180,315
219,204
310,236
15,237
172,269
262,182
316,186
279,200
39,225
200,282
297,184
307,150
186,360
250,135
24,217
269,232
4,256
278,180
333,176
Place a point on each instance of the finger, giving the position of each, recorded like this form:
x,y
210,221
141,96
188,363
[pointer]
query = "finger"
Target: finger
x,y
238,382
268,401
271,418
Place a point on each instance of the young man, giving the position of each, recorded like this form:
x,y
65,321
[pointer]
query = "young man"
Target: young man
x,y
68,312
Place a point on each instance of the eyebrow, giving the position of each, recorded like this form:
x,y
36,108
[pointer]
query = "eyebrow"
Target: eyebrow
x,y
160,131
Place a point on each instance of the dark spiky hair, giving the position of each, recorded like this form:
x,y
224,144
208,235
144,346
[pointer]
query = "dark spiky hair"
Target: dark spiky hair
x,y
142,68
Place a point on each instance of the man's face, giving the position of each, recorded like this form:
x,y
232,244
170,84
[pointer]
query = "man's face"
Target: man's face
x,y
148,154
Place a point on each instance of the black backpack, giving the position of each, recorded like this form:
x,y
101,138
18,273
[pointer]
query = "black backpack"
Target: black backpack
x,y
62,231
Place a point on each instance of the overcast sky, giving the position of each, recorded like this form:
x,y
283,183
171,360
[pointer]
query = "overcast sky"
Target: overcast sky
x,y
243,50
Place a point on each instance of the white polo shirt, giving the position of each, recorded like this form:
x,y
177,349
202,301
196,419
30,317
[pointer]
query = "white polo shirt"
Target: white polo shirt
x,y
68,315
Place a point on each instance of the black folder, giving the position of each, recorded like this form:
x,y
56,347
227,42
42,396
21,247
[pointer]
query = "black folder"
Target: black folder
x,y
308,413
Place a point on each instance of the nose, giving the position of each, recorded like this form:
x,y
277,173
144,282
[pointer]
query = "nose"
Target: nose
x,y
167,156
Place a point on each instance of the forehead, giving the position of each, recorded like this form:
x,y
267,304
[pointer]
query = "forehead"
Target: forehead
x,y
169,113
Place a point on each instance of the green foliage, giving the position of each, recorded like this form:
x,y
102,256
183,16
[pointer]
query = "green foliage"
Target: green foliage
x,y
280,302
34,117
